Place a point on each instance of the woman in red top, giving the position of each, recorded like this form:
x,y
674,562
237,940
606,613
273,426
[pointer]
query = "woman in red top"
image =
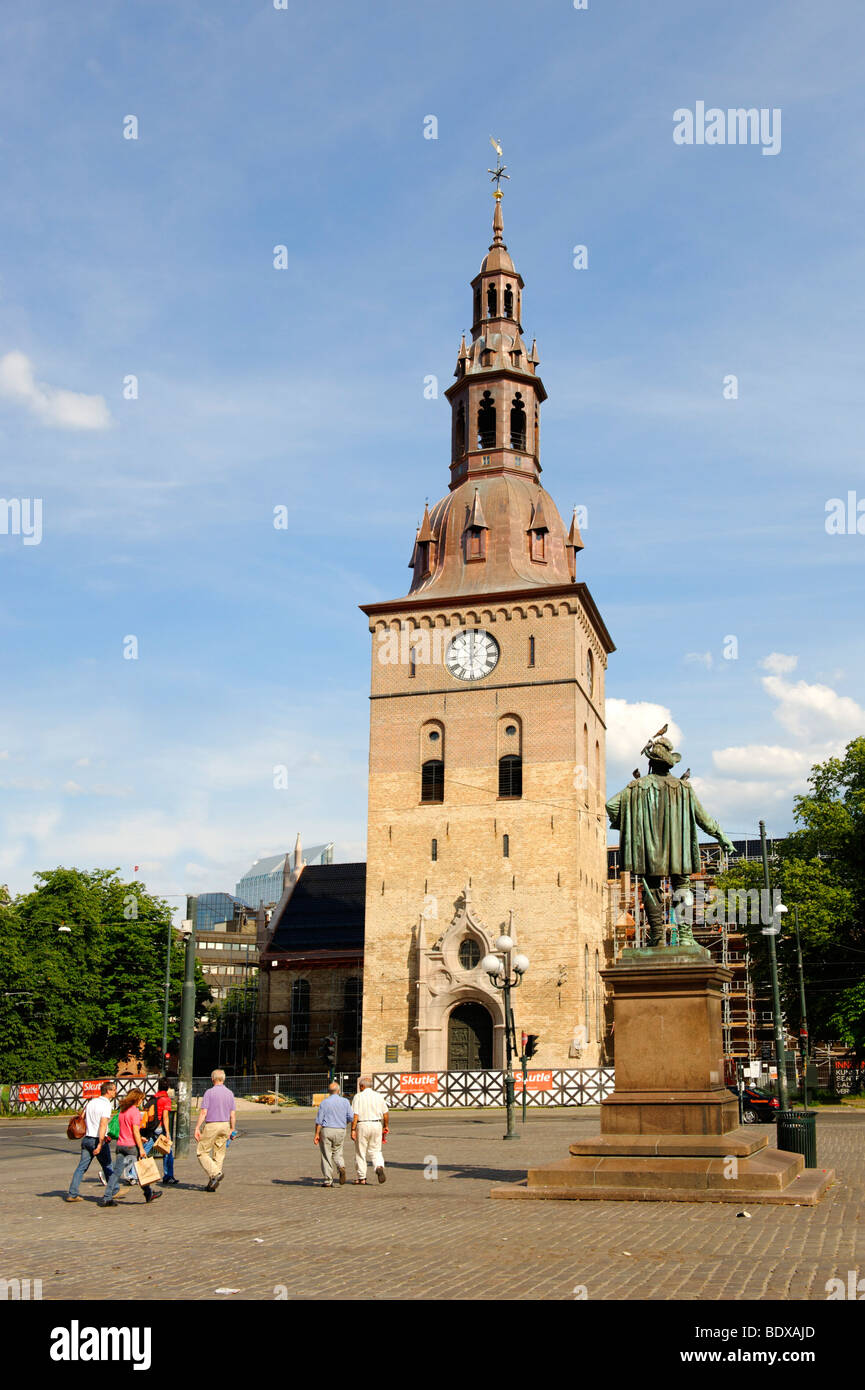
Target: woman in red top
x,y
163,1107
129,1142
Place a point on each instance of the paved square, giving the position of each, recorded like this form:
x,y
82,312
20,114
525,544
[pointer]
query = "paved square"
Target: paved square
x,y
271,1231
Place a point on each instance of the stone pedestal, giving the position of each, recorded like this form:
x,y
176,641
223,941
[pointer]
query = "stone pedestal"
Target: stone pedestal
x,y
670,1131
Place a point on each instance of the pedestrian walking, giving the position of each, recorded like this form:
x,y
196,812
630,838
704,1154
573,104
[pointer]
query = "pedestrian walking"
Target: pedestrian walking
x,y
369,1129
333,1114
95,1142
216,1119
163,1110
129,1142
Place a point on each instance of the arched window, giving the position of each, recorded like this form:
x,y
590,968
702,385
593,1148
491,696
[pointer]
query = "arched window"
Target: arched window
x,y
492,301
434,851
586,991
518,422
506,846
511,776
487,422
460,431
299,1024
432,780
598,1026
509,302
412,663
597,770
477,303
590,674
586,763
531,651
352,1000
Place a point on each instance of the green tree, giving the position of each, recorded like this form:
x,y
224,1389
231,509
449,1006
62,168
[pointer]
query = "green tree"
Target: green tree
x,y
820,867
82,970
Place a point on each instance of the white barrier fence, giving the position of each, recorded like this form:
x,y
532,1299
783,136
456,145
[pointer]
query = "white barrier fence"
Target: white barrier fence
x,y
433,1090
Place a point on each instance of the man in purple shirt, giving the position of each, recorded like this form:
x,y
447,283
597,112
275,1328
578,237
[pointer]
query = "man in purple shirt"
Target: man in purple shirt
x,y
216,1120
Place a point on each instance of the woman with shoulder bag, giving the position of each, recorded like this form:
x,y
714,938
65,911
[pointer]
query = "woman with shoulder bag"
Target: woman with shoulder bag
x,y
129,1143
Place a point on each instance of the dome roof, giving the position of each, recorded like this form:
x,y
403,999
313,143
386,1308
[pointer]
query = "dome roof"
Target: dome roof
x,y
508,504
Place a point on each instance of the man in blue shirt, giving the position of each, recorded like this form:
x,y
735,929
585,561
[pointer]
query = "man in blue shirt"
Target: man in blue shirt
x,y
333,1115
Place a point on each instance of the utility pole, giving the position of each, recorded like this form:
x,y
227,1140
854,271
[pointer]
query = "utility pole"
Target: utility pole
x,y
771,931
163,1064
187,1037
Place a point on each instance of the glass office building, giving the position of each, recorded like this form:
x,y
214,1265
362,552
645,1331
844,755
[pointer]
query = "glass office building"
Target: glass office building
x,y
262,884
216,907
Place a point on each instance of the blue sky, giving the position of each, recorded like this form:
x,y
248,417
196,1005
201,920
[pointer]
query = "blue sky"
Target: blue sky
x,y
304,387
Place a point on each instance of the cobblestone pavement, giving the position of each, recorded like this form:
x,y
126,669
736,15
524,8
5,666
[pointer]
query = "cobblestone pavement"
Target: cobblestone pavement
x,y
270,1231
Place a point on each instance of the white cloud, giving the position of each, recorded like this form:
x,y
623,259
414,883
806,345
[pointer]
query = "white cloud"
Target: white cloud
x,y
820,720
699,659
763,760
779,663
54,406
630,726
814,712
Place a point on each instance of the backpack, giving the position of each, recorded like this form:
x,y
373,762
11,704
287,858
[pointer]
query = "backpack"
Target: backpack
x,y
149,1120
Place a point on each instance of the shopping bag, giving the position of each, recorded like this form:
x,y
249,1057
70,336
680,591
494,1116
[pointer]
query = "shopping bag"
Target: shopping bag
x,y
162,1145
114,1126
147,1171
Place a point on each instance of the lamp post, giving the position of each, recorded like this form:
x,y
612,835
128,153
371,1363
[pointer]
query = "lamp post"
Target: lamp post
x,y
772,931
506,969
803,1025
187,1037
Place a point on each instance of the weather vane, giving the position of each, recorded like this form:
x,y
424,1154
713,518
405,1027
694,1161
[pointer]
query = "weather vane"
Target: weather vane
x,y
499,172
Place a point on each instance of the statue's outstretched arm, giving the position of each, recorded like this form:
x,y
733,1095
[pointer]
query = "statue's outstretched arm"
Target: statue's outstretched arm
x,y
711,827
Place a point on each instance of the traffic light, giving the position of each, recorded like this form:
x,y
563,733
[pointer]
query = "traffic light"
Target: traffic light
x,y
531,1045
327,1051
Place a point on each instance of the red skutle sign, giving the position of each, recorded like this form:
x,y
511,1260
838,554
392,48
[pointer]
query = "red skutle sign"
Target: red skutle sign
x,y
535,1081
417,1083
28,1095
91,1090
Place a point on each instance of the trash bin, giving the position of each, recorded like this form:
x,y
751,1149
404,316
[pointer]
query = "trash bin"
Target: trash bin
x,y
797,1134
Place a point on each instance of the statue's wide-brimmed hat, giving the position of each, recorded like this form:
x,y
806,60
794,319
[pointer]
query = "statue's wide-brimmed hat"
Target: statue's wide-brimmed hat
x,y
660,750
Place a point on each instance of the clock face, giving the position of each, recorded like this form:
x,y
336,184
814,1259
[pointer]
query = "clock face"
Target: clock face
x,y
472,654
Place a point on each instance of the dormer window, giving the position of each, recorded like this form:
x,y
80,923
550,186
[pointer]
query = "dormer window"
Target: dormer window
x,y
538,546
476,543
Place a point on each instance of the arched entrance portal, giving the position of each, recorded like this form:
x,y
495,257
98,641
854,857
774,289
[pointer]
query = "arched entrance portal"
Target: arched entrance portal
x,y
470,1038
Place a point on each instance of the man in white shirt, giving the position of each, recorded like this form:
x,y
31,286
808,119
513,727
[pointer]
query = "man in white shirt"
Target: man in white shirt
x,y
95,1143
368,1129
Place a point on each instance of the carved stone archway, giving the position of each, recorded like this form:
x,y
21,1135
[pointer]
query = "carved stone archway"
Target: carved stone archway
x,y
444,981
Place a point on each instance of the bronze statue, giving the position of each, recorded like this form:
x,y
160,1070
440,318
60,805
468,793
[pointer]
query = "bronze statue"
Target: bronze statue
x,y
658,817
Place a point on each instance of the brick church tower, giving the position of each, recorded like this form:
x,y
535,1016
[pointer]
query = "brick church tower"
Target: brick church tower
x,y
486,765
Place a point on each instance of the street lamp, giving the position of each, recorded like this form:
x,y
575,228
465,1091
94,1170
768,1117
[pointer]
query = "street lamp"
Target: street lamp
x,y
506,969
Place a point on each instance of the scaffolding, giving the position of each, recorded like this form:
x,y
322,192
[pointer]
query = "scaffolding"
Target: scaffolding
x,y
727,941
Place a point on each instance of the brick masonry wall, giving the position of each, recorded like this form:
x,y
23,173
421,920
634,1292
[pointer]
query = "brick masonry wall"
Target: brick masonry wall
x,y
553,879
